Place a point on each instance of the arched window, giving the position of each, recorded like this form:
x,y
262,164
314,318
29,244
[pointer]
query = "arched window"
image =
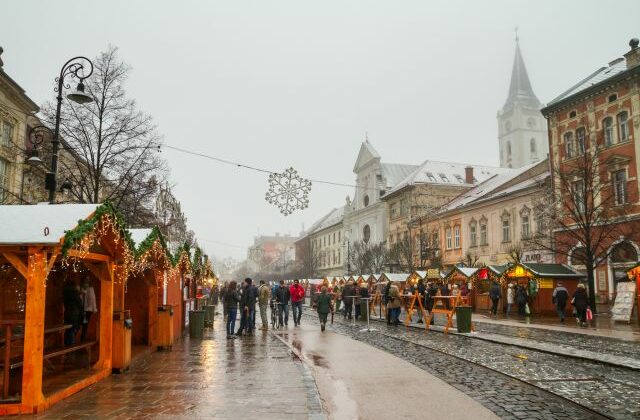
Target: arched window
x,y
508,149
623,126
366,200
580,139
568,145
607,127
532,146
366,234
624,252
578,256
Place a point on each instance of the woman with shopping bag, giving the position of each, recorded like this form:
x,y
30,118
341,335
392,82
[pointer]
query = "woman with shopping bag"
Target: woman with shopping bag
x,y
580,302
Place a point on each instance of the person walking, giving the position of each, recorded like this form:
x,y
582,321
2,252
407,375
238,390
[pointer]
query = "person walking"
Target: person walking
x,y
230,300
283,296
248,307
560,297
72,310
580,301
364,301
386,300
494,294
521,300
323,306
444,291
263,303
348,294
422,295
297,297
394,304
511,298
89,306
337,292
356,301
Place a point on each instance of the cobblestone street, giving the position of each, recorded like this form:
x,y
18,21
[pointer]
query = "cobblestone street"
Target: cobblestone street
x,y
251,377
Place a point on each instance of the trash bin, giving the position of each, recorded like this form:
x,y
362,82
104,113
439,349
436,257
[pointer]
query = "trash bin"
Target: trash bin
x,y
196,324
463,319
364,309
209,313
165,327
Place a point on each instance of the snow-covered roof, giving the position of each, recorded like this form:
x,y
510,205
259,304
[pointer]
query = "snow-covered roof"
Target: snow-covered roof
x,y
445,173
376,277
397,276
332,218
394,173
486,188
421,274
40,224
139,235
315,281
602,74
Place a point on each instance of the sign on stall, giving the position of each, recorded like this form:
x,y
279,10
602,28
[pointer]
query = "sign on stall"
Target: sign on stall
x,y
545,283
625,299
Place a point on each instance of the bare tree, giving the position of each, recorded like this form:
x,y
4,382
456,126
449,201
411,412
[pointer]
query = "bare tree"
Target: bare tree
x,y
115,143
583,212
379,257
402,254
471,260
310,260
360,257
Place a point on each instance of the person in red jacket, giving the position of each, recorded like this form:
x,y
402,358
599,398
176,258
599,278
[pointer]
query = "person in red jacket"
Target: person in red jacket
x,y
297,297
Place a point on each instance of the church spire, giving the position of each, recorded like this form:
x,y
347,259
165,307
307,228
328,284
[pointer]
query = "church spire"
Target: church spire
x,y
520,90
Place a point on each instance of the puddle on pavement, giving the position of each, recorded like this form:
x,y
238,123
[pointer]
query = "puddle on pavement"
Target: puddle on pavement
x,y
297,344
318,360
343,406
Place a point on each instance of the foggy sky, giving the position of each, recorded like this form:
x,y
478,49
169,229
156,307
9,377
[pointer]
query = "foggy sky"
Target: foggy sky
x,y
298,83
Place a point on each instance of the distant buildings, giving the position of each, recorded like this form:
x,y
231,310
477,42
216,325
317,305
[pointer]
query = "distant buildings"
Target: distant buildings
x,y
271,254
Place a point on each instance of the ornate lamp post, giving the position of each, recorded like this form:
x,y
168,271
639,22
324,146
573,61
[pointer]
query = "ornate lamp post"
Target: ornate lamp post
x,y
80,68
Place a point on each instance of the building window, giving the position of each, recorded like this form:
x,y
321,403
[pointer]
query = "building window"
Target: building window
x,y
379,178
394,210
366,200
580,134
448,237
473,234
444,178
483,233
613,97
6,135
404,209
573,114
333,257
338,236
526,230
532,147
3,179
456,237
579,196
459,178
607,126
506,228
620,186
366,234
431,177
508,149
568,145
623,126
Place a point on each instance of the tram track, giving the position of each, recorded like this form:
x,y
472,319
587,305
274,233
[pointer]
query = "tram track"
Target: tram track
x,y
560,392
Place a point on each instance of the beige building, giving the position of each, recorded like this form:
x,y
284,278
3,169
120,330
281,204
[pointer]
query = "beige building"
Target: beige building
x,y
430,186
326,240
492,219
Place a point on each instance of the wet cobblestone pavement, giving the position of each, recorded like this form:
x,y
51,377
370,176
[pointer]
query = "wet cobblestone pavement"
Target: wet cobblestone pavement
x,y
251,377
478,368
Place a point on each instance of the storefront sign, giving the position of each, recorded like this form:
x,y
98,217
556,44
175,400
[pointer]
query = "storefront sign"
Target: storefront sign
x,y
625,299
537,257
602,280
433,273
545,283
517,272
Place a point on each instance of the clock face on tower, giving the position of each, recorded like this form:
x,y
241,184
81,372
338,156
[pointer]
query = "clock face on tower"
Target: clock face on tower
x,y
531,123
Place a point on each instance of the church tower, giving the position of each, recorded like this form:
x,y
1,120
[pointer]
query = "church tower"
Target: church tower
x,y
522,130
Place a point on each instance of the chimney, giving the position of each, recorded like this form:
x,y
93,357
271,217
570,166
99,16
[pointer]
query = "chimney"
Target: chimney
x,y
633,56
468,174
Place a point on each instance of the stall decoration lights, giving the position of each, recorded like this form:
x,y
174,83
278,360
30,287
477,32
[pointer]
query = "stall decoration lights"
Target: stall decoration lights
x,y
153,250
288,191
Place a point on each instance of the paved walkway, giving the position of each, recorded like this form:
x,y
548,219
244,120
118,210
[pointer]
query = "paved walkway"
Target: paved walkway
x,y
357,381
250,377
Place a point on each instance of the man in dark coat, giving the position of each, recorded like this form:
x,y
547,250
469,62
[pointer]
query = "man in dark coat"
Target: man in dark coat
x,y
581,302
72,310
348,297
494,294
385,299
283,296
248,307
560,297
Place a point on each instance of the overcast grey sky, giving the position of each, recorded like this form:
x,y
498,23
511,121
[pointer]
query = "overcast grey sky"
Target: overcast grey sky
x,y
297,83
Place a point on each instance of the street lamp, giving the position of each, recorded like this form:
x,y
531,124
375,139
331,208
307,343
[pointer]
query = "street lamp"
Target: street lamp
x,y
36,138
80,68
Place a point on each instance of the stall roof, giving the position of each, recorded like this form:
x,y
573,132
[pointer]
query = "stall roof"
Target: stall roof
x,y
421,274
139,235
552,270
41,224
499,269
397,276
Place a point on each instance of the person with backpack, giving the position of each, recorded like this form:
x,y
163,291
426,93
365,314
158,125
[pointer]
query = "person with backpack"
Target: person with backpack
x,y
494,294
560,297
297,297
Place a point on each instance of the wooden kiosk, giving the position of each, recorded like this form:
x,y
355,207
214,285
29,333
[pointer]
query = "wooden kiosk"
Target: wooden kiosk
x,y
43,247
178,291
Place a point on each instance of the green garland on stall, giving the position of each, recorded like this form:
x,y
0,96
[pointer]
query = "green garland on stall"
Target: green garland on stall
x,y
147,243
74,236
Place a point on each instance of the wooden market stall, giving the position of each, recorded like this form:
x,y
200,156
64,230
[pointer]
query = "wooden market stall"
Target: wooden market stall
x,y
44,252
631,297
481,283
178,291
539,280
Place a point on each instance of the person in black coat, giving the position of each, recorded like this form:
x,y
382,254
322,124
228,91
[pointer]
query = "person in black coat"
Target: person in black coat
x,y
580,301
72,310
283,297
521,299
385,300
494,294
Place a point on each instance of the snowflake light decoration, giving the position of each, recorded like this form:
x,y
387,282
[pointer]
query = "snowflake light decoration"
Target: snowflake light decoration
x,y
288,191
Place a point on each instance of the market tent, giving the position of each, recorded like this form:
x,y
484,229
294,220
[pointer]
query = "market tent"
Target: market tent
x,y
48,247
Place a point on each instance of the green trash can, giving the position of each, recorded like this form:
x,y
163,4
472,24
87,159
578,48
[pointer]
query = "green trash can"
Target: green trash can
x,y
463,319
196,324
